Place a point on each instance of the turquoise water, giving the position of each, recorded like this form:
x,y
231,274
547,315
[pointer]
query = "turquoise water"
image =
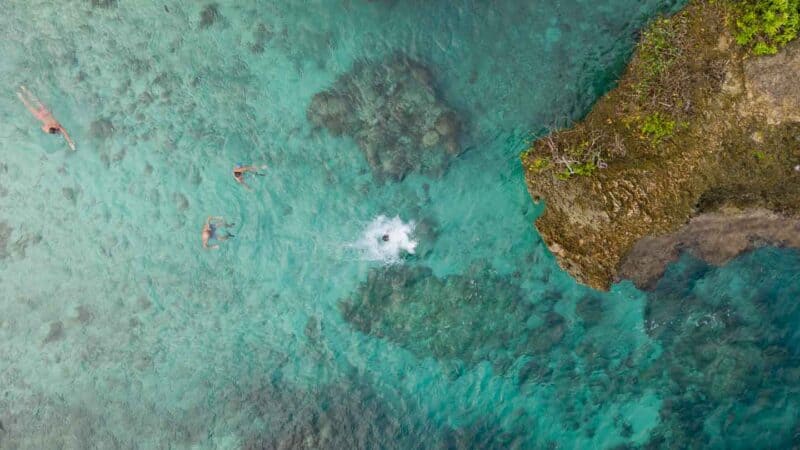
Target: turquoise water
x,y
118,331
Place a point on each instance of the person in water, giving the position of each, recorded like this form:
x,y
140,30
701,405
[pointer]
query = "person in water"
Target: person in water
x,y
49,123
213,223
239,171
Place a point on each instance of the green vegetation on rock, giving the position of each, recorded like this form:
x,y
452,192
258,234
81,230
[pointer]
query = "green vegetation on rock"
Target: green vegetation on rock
x,y
580,169
657,127
765,26
657,52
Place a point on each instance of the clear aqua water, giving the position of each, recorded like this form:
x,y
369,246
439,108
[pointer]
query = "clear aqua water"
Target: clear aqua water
x,y
118,331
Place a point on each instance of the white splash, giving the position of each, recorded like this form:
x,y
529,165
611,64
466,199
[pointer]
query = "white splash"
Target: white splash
x,y
386,240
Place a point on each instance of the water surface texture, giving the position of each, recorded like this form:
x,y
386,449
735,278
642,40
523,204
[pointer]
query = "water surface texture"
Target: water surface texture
x,y
118,331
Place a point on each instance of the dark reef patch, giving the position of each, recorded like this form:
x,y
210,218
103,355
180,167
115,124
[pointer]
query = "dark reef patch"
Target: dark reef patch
x,y
70,194
354,414
5,236
56,332
731,357
590,310
262,35
349,415
209,15
84,315
391,109
101,128
20,247
103,3
473,317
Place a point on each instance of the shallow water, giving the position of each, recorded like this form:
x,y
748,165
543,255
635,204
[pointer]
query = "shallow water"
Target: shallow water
x,y
118,331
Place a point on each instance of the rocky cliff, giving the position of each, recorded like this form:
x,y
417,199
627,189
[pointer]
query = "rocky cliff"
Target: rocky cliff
x,y
696,149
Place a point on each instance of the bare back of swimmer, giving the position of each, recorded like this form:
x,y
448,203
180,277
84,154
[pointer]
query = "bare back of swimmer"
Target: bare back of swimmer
x,y
49,123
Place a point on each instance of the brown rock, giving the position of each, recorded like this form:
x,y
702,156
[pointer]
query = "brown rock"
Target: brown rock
x,y
716,238
773,86
727,141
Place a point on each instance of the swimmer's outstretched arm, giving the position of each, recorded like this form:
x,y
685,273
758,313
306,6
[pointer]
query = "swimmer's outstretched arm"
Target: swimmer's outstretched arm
x,y
68,139
252,168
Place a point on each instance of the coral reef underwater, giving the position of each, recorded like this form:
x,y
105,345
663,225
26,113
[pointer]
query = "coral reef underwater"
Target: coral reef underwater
x,y
392,110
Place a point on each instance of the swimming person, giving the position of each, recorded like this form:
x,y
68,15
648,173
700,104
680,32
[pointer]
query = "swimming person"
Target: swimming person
x,y
210,231
239,171
49,123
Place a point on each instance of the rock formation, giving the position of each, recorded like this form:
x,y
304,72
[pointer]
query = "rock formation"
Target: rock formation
x,y
472,317
697,148
392,111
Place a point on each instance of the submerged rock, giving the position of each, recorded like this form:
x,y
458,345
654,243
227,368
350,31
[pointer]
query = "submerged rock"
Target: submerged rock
x,y
729,362
104,3
696,127
474,317
715,237
771,86
590,310
209,15
350,414
5,237
101,128
56,332
391,109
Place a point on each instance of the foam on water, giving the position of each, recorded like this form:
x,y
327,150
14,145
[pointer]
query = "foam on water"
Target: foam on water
x,y
386,240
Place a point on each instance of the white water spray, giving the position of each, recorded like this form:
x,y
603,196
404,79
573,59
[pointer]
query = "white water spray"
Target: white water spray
x,y
386,240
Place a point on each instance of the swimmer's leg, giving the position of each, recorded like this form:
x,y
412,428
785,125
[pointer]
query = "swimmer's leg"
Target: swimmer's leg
x,y
28,105
33,99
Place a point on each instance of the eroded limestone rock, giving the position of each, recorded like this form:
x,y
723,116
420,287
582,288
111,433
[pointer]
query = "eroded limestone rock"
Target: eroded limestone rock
x,y
715,237
695,127
773,86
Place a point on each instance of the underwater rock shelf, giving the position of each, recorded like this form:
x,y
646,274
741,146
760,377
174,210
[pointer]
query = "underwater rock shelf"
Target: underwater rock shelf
x,y
696,149
391,109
